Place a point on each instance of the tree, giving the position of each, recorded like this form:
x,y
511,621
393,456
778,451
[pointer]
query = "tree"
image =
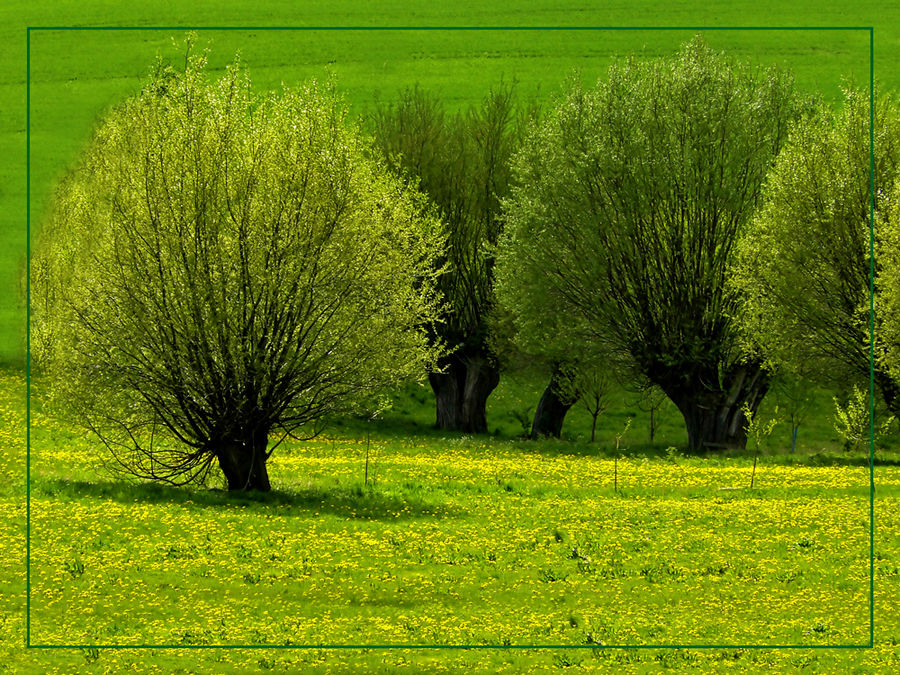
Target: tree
x,y
650,400
223,268
594,387
461,162
794,396
854,422
558,397
627,205
759,432
804,262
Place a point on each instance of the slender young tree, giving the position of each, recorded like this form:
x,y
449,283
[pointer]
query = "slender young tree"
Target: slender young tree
x,y
223,269
461,162
794,395
594,387
628,203
650,400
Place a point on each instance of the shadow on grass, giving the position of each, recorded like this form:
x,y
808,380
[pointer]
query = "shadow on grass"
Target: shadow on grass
x,y
390,428
567,448
356,503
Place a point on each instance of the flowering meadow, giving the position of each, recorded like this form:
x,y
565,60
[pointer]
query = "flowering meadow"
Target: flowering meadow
x,y
498,545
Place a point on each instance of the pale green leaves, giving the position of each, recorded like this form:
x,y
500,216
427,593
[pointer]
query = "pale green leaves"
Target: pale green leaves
x,y
219,257
629,201
804,264
853,421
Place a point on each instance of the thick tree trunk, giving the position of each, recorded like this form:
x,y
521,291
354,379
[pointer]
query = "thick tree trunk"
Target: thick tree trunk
x,y
714,418
482,377
447,388
551,410
461,392
243,461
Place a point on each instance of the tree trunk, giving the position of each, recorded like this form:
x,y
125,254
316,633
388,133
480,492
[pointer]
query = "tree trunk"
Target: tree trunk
x,y
243,461
461,392
447,387
551,410
714,418
482,377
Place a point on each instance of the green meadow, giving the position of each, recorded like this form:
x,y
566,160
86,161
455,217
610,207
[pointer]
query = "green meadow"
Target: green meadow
x,y
387,532
390,533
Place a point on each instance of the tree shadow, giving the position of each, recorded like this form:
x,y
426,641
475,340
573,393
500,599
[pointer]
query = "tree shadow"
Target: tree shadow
x,y
552,447
357,503
822,459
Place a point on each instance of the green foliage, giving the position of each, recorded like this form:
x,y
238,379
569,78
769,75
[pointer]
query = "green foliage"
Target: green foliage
x,y
630,197
803,264
853,421
524,417
461,161
618,439
592,385
793,394
759,431
621,434
220,265
651,400
673,455
887,299
76,75
628,203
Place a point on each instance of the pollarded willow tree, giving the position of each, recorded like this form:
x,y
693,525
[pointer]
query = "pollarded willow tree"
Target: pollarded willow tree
x,y
224,269
805,263
628,203
461,162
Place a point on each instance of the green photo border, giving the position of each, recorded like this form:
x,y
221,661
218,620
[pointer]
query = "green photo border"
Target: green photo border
x,y
869,29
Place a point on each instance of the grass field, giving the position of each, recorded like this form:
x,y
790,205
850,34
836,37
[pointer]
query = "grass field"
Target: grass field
x,y
456,540
483,540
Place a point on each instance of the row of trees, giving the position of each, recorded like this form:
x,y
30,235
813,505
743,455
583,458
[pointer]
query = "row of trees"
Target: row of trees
x,y
223,270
